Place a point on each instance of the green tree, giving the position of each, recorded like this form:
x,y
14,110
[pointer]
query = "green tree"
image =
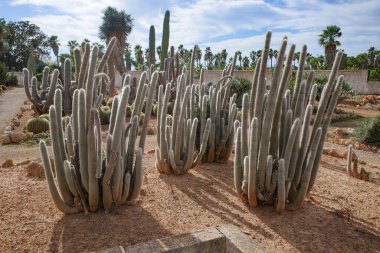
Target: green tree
x,y
21,37
128,56
208,56
372,55
223,57
139,56
362,60
54,44
72,44
245,62
328,39
117,24
4,47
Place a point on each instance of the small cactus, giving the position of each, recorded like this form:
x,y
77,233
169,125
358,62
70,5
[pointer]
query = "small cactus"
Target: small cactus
x,y
105,115
37,125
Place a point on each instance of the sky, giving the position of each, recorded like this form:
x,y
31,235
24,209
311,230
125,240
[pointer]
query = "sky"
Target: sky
x,y
230,24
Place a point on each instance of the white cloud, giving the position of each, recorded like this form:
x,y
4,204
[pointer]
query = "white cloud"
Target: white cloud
x,y
234,25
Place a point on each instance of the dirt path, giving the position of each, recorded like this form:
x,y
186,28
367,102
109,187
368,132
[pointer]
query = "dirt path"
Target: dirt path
x,y
10,103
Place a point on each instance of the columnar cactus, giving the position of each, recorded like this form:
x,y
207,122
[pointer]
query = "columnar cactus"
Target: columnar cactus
x,y
165,40
152,46
176,152
277,152
90,175
42,95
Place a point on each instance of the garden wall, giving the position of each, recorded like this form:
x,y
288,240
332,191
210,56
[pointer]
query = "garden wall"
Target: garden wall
x,y
357,79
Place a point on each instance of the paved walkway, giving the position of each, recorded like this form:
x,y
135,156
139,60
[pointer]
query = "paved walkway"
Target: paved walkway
x,y
10,103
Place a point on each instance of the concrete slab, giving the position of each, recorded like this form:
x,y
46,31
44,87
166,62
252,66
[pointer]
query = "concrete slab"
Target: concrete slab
x,y
208,240
238,242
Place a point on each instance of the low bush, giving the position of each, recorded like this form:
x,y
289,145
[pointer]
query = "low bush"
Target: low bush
x,y
368,132
240,86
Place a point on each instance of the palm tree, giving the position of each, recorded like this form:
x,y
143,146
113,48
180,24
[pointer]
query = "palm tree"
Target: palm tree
x,y
139,55
245,62
296,57
371,55
239,57
72,44
117,24
328,39
271,55
54,44
158,51
208,55
128,56
85,40
223,57
217,59
259,53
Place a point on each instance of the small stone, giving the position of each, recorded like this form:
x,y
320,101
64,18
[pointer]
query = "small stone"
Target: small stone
x,y
24,162
6,139
15,122
35,169
18,137
8,163
334,153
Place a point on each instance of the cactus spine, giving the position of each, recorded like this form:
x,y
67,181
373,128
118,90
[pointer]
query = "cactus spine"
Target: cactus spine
x,y
276,161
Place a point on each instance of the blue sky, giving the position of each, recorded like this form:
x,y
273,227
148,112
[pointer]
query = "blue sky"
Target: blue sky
x,y
234,25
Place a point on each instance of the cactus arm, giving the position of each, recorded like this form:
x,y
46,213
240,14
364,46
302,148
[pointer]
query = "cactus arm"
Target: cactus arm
x,y
203,144
115,105
106,55
93,190
90,82
281,187
61,205
45,78
83,67
131,144
253,154
62,184
299,76
252,94
69,143
53,86
75,115
190,147
148,109
268,173
69,178
127,184
245,125
306,175
139,94
67,84
238,173
139,178
77,62
211,140
82,139
58,109
289,145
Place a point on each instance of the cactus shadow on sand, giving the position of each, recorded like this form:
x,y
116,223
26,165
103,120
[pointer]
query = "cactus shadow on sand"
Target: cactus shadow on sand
x,y
96,231
313,228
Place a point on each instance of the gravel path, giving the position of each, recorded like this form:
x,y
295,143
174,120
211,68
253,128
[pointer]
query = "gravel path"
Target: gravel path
x,y
10,103
366,156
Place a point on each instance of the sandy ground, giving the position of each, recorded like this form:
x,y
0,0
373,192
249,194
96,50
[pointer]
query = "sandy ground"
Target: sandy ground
x,y
341,215
9,102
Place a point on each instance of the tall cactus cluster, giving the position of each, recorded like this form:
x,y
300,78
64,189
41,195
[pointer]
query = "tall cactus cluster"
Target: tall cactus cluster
x,y
88,174
42,95
278,141
201,126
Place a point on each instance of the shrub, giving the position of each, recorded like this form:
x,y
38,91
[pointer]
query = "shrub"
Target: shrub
x,y
373,75
3,73
346,91
11,80
240,86
368,132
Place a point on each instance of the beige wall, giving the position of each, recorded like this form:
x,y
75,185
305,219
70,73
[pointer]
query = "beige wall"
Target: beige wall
x,y
357,79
